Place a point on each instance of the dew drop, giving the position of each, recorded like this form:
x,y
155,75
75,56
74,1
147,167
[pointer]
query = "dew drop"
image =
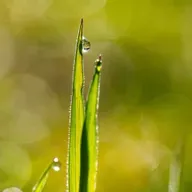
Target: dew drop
x,y
86,45
56,165
98,64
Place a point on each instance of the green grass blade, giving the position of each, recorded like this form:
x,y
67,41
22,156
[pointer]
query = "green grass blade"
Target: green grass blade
x,y
76,117
176,168
42,181
55,165
89,148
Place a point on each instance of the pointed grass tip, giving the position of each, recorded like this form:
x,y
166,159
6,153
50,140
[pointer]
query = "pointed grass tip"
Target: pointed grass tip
x,y
81,24
81,21
80,33
81,27
100,58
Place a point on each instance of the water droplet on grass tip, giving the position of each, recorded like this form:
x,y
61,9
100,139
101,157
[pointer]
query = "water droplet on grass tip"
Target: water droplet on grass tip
x,y
86,45
56,166
98,64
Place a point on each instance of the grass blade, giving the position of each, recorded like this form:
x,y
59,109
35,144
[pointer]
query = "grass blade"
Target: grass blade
x,y
176,167
76,117
89,148
55,165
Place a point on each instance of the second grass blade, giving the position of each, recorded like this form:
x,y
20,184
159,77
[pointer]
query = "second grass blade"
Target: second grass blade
x,y
89,147
76,117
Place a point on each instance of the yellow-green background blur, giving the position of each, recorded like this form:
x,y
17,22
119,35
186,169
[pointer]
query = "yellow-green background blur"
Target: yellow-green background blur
x,y
146,89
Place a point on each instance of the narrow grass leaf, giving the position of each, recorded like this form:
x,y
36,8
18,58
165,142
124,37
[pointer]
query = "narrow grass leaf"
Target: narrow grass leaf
x,y
76,117
55,165
89,148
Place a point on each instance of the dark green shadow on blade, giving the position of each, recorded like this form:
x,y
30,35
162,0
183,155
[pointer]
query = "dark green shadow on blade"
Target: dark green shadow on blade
x,y
89,147
76,117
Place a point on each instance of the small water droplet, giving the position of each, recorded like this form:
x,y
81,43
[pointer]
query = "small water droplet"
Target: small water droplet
x,y
98,64
56,166
86,45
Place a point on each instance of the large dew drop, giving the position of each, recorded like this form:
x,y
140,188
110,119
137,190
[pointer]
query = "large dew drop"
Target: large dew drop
x,y
56,165
86,45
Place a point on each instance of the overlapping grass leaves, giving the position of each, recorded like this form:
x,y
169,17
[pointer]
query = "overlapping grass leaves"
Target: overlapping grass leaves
x,y
83,131
83,136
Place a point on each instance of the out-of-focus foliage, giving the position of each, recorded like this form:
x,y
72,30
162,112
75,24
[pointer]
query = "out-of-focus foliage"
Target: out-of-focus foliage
x,y
146,95
12,189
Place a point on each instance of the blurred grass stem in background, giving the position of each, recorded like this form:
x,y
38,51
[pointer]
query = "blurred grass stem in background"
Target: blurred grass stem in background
x,y
177,167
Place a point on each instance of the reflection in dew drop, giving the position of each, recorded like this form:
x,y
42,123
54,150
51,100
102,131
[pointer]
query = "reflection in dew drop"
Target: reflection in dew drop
x,y
56,165
86,45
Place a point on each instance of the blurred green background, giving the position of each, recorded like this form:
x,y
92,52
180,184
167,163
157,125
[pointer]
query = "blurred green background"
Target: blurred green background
x,y
146,95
